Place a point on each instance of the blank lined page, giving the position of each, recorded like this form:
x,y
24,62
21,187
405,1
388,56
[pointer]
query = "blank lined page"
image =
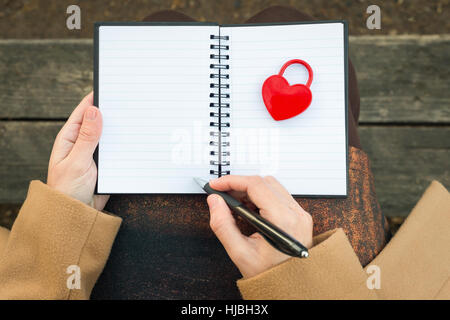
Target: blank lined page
x,y
307,153
153,93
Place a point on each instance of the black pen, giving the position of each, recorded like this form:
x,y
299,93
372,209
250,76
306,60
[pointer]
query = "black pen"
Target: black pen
x,y
279,239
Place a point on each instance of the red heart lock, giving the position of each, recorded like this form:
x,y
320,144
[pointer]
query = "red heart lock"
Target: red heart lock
x,y
284,101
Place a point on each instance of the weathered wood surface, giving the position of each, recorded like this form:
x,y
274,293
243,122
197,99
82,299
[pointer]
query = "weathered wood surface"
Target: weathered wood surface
x,y
43,78
402,79
404,160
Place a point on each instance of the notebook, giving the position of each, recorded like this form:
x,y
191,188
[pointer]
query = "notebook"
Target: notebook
x,y
183,100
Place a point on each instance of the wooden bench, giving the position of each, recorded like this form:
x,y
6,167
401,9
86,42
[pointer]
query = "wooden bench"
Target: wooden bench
x,y
404,122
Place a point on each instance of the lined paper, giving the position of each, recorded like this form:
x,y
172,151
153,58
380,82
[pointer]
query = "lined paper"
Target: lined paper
x,y
154,98
307,153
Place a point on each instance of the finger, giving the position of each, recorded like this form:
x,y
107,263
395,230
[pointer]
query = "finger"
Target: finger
x,y
69,132
238,195
276,185
280,190
224,226
78,114
88,136
76,117
258,191
100,201
243,198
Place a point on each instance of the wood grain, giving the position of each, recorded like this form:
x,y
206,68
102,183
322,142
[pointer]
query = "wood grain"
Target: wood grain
x,y
403,79
43,79
404,161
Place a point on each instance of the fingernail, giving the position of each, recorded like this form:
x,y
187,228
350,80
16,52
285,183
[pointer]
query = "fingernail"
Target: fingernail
x,y
91,114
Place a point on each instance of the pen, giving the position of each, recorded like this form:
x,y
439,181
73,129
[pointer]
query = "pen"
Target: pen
x,y
279,239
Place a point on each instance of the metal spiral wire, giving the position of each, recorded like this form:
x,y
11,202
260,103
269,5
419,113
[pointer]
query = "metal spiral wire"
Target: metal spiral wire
x,y
220,106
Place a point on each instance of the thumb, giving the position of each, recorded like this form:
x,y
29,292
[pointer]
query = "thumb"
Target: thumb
x,y
224,226
88,136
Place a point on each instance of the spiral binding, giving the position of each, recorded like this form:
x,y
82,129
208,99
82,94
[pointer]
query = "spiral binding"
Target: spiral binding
x,y
220,106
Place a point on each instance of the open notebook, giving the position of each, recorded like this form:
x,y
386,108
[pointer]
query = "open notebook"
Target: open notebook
x,y
183,100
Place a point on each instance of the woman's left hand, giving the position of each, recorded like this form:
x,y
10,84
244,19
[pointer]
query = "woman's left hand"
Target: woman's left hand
x,y
72,169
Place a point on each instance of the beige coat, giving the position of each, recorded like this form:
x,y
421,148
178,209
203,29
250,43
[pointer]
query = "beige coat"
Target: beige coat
x,y
53,232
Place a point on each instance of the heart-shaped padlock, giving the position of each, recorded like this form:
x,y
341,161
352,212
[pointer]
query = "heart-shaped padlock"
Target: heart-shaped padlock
x,y
284,101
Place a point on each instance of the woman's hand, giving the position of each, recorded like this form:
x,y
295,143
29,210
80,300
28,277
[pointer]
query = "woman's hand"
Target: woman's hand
x,y
72,169
253,255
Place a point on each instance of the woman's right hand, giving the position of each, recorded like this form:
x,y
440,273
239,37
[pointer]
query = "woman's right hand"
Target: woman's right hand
x,y
253,255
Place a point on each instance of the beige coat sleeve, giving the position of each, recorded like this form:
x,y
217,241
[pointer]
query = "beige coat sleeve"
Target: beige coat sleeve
x,y
414,265
4,233
51,233
332,271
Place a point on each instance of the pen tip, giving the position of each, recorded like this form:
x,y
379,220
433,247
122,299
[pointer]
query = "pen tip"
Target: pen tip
x,y
200,182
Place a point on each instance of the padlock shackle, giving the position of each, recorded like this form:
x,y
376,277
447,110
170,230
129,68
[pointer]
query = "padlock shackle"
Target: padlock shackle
x,y
298,61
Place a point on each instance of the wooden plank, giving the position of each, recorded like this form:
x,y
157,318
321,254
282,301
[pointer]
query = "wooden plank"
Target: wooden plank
x,y
404,160
401,78
24,153
43,78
